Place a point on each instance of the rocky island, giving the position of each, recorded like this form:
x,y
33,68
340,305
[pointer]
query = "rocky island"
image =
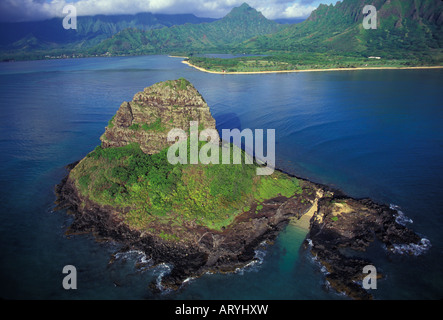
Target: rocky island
x,y
211,218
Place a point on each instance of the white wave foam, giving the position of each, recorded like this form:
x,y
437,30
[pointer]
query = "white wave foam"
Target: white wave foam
x,y
259,257
310,243
314,260
400,218
138,256
412,248
189,279
324,270
162,269
129,254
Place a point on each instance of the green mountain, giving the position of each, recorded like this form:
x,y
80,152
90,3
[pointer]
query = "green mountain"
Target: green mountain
x,y
49,37
240,24
404,27
409,32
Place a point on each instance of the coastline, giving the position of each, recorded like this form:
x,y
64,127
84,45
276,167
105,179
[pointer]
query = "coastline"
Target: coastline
x,y
200,249
315,212
304,222
309,70
181,57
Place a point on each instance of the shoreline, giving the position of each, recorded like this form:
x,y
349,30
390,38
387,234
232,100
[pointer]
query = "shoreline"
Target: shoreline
x,y
181,57
219,252
200,249
304,222
310,70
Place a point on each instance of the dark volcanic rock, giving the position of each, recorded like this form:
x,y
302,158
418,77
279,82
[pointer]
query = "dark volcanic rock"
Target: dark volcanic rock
x,y
346,223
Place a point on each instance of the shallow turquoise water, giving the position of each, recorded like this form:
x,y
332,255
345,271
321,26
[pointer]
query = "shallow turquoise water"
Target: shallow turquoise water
x,y
372,134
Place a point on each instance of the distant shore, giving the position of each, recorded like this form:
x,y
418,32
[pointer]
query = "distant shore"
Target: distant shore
x,y
182,57
309,70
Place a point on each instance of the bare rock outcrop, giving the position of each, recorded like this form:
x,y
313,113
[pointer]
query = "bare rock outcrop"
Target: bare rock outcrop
x,y
153,112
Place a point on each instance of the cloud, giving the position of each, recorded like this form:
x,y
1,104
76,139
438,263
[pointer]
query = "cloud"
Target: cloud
x,y
287,10
27,10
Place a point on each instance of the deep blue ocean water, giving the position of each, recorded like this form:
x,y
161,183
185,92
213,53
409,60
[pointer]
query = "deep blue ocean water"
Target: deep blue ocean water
x,y
374,134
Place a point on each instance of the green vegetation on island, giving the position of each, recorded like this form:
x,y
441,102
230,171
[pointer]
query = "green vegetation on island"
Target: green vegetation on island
x,y
130,171
154,190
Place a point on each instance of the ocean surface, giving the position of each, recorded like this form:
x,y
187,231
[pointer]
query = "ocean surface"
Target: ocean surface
x,y
376,134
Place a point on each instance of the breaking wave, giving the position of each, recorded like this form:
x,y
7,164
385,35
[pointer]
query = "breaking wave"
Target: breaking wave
x,y
142,262
314,260
412,248
400,218
309,242
160,271
259,257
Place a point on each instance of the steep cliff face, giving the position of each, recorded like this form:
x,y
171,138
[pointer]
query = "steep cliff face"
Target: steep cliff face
x,y
153,112
404,28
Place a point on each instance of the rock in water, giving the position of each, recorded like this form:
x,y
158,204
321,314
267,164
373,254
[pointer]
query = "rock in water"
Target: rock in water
x,y
206,218
341,227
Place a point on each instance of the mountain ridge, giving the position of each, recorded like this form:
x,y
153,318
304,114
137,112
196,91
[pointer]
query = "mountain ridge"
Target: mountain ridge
x,y
401,26
48,37
408,33
91,26
240,24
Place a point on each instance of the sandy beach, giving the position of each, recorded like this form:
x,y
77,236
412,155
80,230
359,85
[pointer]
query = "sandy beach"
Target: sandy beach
x,y
181,57
305,221
312,70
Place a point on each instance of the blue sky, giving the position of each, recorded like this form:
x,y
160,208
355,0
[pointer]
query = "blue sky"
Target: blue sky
x,y
28,10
